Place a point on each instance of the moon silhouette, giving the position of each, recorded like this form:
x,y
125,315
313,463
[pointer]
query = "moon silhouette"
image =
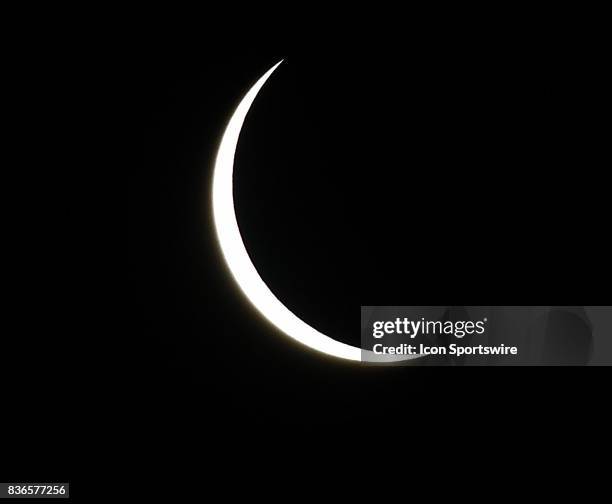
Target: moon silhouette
x,y
239,263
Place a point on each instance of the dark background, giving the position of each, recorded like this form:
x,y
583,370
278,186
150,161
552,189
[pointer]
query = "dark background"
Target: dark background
x,y
378,166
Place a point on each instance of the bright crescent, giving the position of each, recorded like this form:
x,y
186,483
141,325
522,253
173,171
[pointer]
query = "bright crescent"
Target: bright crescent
x,y
239,263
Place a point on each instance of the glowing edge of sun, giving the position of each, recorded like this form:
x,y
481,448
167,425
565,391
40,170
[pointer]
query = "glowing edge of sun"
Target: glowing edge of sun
x,y
237,258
